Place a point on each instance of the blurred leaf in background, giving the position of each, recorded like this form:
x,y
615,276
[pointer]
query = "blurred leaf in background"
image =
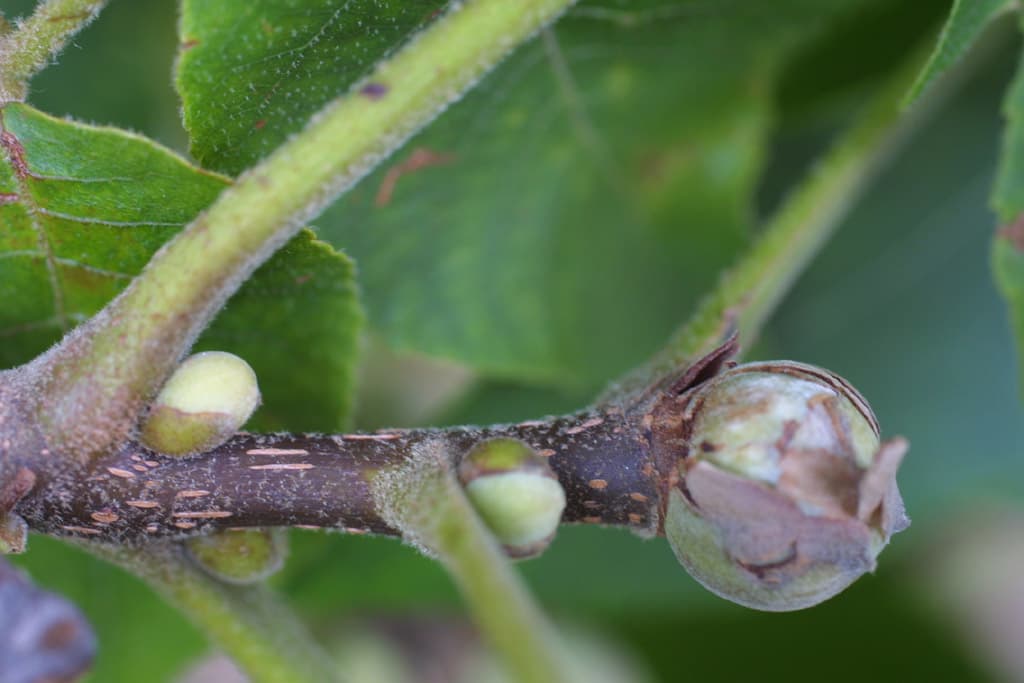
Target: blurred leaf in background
x,y
116,72
575,208
967,21
1008,199
971,576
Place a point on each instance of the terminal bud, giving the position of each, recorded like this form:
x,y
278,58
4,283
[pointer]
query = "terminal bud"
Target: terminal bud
x,y
781,494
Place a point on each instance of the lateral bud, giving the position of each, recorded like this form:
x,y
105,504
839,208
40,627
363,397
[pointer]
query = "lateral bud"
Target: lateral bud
x,y
13,528
515,492
240,556
205,401
13,534
782,494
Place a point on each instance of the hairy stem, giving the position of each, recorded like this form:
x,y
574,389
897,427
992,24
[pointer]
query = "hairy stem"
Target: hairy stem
x,y
750,292
134,496
30,47
96,382
427,502
247,622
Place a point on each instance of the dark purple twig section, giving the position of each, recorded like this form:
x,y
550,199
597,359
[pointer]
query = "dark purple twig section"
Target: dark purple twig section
x,y
600,457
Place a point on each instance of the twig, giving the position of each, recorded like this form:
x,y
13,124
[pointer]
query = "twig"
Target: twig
x,y
35,41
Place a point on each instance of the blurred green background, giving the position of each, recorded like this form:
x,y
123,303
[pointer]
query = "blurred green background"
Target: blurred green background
x,y
901,303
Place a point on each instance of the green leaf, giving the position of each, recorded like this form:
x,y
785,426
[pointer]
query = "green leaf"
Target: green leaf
x,y
750,291
551,225
1008,199
250,74
83,209
967,20
508,235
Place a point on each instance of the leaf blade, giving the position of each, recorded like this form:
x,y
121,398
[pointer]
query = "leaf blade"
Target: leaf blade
x,y
251,74
84,209
518,218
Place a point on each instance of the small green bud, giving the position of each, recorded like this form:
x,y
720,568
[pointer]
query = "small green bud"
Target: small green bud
x,y
515,492
240,556
785,495
206,400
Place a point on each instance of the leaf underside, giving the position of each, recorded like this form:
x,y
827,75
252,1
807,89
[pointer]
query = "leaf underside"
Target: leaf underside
x,y
83,208
250,74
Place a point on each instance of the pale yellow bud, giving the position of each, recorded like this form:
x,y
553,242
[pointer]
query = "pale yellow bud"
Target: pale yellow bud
x,y
206,400
516,494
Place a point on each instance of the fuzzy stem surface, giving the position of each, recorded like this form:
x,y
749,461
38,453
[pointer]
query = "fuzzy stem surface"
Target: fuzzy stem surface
x,y
134,496
35,41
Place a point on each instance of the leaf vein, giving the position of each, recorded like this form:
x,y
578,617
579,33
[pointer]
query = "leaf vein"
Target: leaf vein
x,y
22,253
88,220
71,263
582,123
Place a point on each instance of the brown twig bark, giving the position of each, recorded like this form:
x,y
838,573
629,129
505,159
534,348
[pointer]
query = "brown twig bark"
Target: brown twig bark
x,y
308,480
